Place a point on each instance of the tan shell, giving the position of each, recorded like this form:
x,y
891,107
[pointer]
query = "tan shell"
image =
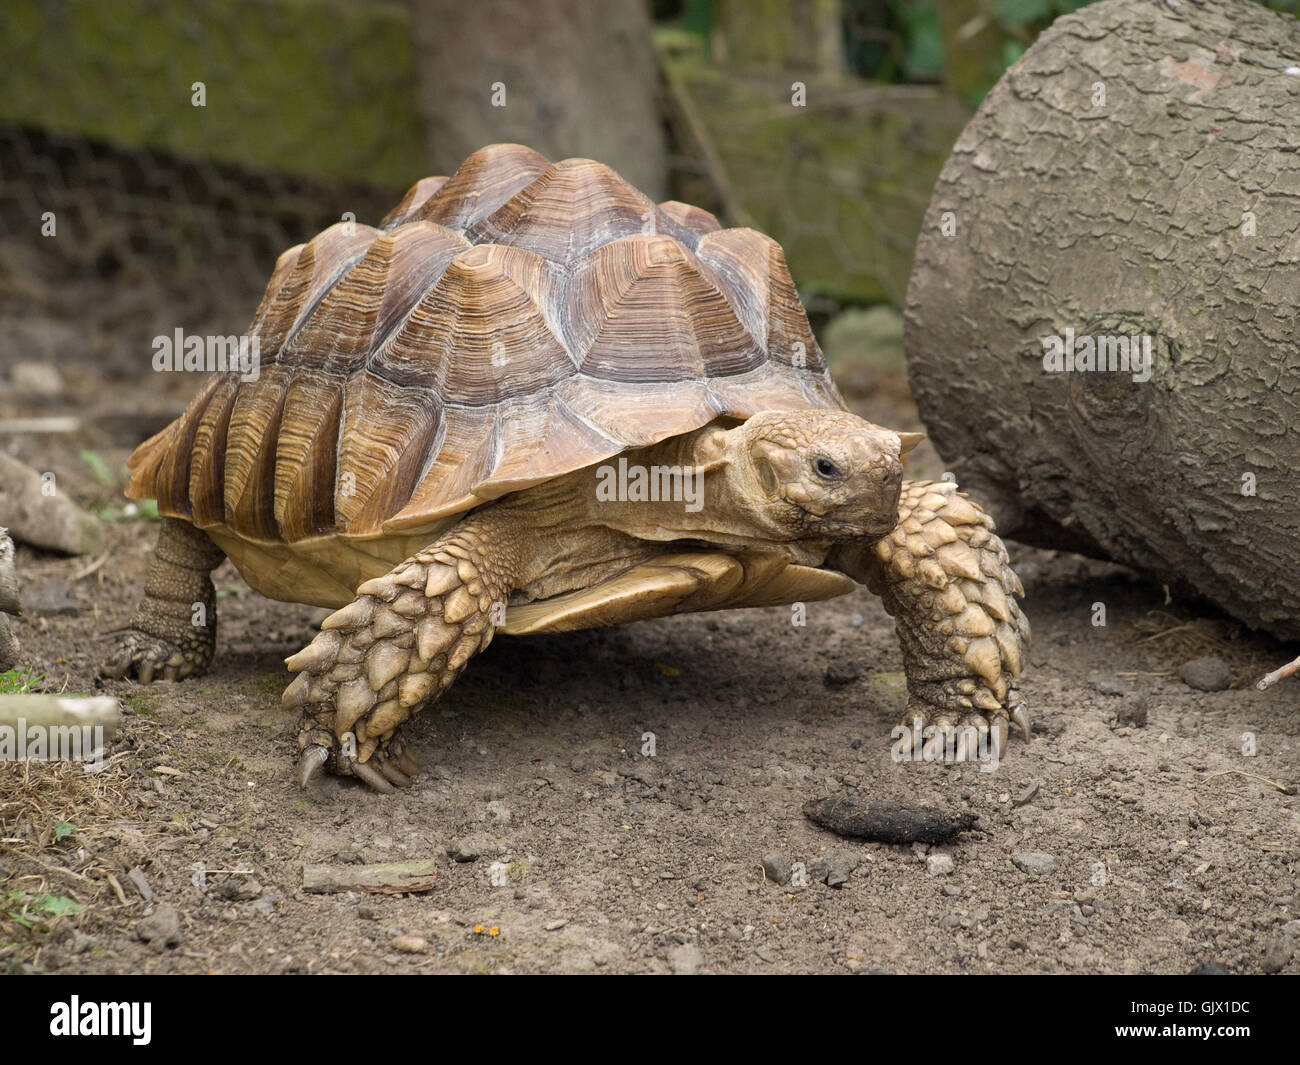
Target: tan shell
x,y
509,324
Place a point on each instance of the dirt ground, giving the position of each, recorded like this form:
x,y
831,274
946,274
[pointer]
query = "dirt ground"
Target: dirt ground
x,y
1169,849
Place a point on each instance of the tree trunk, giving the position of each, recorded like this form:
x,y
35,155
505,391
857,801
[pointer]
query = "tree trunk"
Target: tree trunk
x,y
565,77
1134,174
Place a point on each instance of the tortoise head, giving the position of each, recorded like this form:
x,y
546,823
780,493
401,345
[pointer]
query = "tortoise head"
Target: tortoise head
x,y
818,474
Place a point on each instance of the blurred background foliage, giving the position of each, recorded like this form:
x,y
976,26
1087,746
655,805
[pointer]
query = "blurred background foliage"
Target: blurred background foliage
x,y
821,122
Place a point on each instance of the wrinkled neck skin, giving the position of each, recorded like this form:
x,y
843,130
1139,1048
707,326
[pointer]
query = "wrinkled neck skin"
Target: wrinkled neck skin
x,y
708,492
702,488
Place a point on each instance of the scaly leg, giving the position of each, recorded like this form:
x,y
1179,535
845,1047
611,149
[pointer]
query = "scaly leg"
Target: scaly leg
x,y
947,581
396,647
173,632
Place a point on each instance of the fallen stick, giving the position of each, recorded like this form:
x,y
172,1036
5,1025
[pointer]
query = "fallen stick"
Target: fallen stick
x,y
24,711
1285,789
59,424
1269,679
9,603
392,878
40,514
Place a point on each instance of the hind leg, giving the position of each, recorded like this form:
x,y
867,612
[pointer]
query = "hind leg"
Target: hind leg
x,y
173,632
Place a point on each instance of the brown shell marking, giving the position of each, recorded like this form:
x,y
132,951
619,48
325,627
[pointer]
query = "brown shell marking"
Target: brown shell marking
x,y
506,325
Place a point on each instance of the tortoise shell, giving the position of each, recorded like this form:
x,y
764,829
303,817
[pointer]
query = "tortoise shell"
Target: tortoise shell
x,y
512,323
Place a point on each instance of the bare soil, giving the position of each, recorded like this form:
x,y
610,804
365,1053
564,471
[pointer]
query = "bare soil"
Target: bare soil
x,y
1172,848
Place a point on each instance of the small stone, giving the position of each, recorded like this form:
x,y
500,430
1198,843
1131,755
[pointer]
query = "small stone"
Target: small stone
x,y
1209,968
1108,684
556,925
141,884
240,889
36,379
766,954
160,929
1035,863
82,943
940,865
409,944
839,867
685,960
951,890
951,921
841,672
776,867
1027,795
578,765
499,812
1208,674
1132,711
463,850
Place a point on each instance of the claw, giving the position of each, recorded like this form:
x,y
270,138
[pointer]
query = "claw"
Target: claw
x,y
145,675
394,775
967,745
408,762
373,777
998,738
116,667
1020,715
311,764
934,748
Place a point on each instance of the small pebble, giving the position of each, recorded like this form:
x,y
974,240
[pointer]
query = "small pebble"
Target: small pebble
x,y
409,944
1108,684
939,865
161,929
840,673
777,868
463,850
1132,711
1208,674
1035,863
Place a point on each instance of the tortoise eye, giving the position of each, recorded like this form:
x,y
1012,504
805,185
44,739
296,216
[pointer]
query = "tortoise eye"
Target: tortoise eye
x,y
825,467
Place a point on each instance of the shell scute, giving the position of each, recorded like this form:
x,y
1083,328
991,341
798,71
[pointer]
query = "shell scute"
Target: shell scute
x,y
513,322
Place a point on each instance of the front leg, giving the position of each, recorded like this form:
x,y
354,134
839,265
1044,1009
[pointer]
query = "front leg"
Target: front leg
x,y
948,583
395,648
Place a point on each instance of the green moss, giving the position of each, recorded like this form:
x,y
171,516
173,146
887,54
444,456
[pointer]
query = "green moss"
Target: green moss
x,y
144,705
842,183
272,682
322,87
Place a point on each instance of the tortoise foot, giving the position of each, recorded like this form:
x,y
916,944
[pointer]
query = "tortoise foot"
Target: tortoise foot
x,y
146,656
938,734
391,764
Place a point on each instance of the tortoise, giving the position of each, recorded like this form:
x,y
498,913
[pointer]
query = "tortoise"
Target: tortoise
x,y
532,400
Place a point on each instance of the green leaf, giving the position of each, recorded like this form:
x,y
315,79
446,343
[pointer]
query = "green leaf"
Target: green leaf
x,y
63,828
57,905
98,467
